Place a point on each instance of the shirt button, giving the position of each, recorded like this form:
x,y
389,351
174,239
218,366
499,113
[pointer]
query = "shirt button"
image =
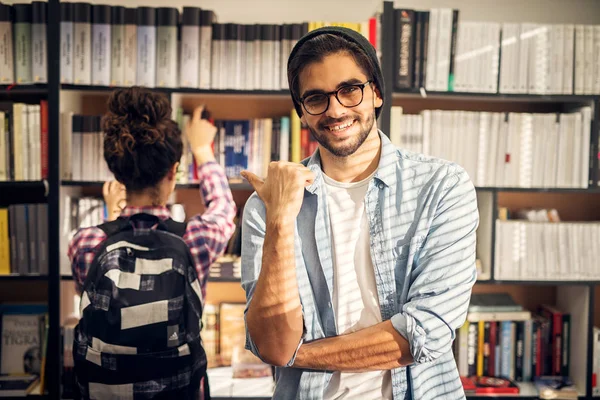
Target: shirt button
x,y
329,304
381,186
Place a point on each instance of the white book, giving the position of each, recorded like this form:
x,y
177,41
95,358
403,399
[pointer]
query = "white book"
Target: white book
x,y
561,168
258,66
66,133
215,60
432,49
579,83
207,52
588,63
552,156
493,57
575,179
460,59
585,145
513,143
499,316
559,57
482,150
276,57
286,48
426,124
501,149
443,49
396,126
526,151
596,81
523,60
25,142
249,49
568,59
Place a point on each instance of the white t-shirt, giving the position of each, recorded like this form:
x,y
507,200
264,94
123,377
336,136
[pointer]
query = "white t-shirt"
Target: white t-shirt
x,y
355,299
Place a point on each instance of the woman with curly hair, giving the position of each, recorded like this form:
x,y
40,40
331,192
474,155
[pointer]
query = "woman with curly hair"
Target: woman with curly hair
x,y
142,147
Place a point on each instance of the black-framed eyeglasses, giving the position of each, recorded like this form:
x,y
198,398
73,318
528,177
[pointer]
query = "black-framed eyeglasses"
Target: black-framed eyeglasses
x,y
347,95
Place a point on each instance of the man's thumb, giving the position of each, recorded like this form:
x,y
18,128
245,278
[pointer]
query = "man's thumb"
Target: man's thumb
x,y
253,180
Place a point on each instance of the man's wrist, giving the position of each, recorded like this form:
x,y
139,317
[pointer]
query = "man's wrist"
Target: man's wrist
x,y
203,155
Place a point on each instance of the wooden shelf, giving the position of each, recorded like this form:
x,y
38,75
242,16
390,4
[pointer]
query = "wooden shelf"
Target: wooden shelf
x,y
29,89
504,97
29,277
234,184
539,190
101,89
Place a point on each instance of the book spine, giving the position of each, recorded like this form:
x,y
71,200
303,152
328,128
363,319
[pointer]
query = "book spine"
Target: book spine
x,y
22,40
207,51
190,48
130,48
166,44
66,43
519,350
146,46
7,72
472,349
4,243
101,45
566,345
405,21
82,30
452,50
38,46
117,49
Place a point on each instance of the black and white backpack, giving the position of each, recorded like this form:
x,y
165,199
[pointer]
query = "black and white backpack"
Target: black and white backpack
x,y
141,316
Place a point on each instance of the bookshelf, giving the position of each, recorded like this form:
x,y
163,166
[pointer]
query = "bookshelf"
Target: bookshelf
x,y
580,296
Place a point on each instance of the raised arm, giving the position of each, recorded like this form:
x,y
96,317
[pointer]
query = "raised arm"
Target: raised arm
x,y
274,313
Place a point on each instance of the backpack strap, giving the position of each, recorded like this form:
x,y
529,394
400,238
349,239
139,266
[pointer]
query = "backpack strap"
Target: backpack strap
x,y
112,227
123,223
178,228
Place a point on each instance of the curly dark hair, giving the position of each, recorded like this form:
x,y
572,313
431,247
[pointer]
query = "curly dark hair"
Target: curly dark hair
x,y
141,141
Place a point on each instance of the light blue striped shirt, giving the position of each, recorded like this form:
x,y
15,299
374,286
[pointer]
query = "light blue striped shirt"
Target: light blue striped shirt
x,y
423,215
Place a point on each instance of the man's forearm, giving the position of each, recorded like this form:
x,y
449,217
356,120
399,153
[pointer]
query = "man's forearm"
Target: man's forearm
x,y
379,347
274,316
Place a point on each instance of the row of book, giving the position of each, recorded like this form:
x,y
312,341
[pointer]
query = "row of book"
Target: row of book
x,y
536,245
23,48
433,49
501,338
503,149
82,147
24,239
161,47
23,141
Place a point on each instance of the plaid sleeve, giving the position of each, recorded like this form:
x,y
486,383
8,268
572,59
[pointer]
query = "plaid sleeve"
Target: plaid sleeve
x,y
81,252
207,234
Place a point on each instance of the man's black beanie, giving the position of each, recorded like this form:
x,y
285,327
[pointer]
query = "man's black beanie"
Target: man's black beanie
x,y
352,36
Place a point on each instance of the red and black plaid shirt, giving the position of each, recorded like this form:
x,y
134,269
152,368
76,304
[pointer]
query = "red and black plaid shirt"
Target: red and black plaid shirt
x,y
206,234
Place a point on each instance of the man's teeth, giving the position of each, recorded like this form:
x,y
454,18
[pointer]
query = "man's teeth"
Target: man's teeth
x,y
340,127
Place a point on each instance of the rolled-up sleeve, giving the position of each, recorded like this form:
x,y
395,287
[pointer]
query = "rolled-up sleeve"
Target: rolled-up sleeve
x,y
443,273
253,237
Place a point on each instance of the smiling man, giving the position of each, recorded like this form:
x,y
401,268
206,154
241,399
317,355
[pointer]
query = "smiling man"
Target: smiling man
x,y
358,263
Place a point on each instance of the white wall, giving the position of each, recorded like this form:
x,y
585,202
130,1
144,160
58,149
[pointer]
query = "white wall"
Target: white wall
x,y
287,11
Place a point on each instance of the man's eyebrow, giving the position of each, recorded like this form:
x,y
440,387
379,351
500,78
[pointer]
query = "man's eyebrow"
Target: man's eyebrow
x,y
351,81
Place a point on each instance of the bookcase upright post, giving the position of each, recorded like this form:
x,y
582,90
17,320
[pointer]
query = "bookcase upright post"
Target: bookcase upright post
x,y
53,365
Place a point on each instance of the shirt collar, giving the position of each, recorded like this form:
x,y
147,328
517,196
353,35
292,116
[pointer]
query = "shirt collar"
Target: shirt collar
x,y
385,170
161,212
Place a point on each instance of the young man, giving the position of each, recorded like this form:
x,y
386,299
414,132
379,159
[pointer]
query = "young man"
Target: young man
x,y
358,264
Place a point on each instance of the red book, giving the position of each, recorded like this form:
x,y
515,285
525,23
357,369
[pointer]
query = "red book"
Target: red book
x,y
488,385
44,137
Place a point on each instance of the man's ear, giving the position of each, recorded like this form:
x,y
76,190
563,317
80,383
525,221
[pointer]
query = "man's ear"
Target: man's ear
x,y
378,98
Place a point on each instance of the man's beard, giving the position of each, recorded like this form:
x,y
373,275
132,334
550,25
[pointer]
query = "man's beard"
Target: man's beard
x,y
347,149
